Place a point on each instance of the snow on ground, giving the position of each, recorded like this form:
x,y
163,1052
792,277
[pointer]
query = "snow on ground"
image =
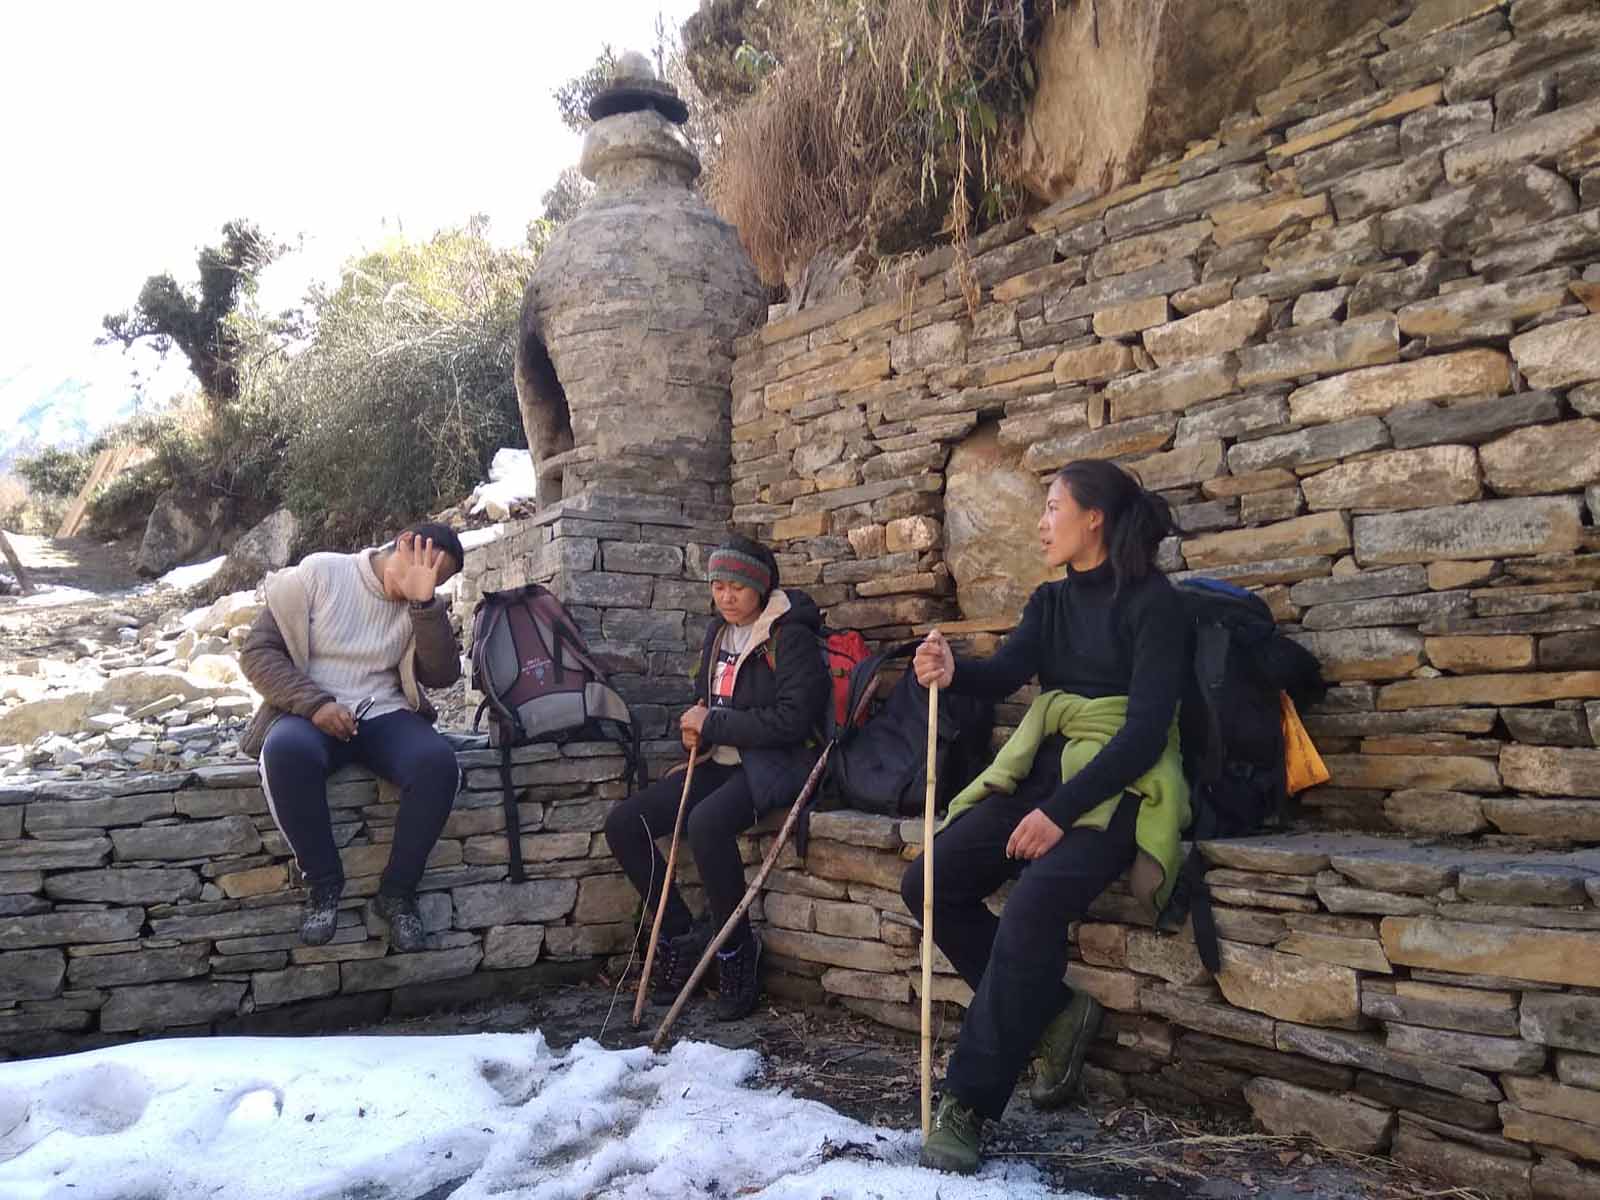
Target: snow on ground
x,y
477,1116
49,595
511,479
194,574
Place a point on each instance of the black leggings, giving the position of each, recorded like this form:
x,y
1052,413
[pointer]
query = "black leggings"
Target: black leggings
x,y
401,746
720,809
1013,962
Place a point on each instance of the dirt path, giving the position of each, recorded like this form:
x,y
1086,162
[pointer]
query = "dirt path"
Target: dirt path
x,y
75,581
1108,1148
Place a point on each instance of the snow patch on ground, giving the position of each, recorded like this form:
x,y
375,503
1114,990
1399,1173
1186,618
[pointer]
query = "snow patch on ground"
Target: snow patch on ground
x,y
478,1116
194,574
49,595
512,479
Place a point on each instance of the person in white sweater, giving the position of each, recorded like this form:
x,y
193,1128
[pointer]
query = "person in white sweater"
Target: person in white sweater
x,y
340,656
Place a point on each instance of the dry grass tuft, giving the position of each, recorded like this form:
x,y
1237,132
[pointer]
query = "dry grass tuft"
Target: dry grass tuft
x,y
900,122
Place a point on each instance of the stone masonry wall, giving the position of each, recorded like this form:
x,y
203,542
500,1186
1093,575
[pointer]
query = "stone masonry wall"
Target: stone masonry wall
x,y
163,902
1352,339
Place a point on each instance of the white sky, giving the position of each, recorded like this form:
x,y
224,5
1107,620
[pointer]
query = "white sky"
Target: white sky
x,y
130,132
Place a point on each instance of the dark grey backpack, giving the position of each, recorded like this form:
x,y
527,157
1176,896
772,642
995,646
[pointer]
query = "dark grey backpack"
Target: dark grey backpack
x,y
541,684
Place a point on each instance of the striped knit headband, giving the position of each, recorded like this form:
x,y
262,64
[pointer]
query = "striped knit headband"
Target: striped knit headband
x,y
735,566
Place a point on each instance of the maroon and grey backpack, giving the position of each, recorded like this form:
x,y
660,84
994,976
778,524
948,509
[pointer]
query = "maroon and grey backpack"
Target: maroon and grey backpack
x,y
541,684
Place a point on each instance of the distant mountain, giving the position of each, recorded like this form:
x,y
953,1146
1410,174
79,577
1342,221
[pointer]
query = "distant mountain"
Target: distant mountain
x,y
69,403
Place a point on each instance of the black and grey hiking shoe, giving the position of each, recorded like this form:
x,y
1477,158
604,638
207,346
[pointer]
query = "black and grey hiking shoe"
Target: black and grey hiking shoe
x,y
1062,1049
321,914
405,922
739,980
675,962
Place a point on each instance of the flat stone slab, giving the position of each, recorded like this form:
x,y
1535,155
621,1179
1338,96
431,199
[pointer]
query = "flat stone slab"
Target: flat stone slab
x,y
1290,853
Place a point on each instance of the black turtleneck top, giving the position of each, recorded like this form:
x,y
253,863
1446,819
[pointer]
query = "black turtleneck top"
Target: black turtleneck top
x,y
1081,635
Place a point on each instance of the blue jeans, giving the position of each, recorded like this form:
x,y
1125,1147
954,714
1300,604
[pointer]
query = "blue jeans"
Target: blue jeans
x,y
297,758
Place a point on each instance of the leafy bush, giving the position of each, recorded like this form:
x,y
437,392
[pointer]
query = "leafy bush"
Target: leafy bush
x,y
22,510
57,472
395,407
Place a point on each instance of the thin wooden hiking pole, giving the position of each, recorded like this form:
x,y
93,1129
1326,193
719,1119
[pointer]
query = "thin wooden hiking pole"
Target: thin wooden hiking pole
x,y
744,904
927,910
666,886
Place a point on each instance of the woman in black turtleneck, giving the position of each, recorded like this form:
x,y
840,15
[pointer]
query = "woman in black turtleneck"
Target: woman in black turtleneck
x,y
1112,628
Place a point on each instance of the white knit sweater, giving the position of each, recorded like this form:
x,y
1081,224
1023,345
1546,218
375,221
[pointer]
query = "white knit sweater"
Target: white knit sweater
x,y
357,634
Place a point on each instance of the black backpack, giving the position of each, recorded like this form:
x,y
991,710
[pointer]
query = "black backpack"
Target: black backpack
x,y
880,766
541,684
1232,732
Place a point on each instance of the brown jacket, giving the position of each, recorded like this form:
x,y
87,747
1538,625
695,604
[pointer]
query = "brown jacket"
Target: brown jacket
x,y
275,654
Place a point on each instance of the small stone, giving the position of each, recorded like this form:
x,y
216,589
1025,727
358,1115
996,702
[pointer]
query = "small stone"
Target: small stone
x,y
510,946
1352,345
1306,447
1208,333
1377,390
1486,529
1539,138
1345,1123
1544,955
1568,1021
1288,987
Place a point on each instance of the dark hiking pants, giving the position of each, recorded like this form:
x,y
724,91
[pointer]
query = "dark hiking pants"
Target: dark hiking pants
x,y
297,758
1013,962
719,809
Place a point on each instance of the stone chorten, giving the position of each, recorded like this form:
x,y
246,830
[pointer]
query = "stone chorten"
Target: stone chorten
x,y
625,346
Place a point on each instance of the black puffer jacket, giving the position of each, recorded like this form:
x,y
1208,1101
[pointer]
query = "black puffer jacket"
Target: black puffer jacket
x,y
780,695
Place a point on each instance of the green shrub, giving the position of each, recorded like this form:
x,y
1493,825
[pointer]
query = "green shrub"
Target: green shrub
x,y
405,391
56,472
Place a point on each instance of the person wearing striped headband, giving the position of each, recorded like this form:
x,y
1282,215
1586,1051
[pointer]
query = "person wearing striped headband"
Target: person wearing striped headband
x,y
760,694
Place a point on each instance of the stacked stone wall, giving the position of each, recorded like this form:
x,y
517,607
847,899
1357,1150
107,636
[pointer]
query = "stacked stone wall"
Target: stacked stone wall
x,y
166,903
1353,340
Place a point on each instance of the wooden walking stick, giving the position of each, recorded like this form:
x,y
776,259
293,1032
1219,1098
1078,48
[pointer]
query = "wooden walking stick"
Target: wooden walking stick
x,y
927,910
770,861
666,886
744,904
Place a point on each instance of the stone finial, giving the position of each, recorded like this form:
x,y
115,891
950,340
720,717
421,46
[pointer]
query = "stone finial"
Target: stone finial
x,y
635,86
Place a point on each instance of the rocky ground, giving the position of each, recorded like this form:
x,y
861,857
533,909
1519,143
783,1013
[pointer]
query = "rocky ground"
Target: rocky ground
x,y
103,671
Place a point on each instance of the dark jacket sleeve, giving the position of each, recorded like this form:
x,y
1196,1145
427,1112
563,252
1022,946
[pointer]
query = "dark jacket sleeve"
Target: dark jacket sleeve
x,y
266,664
1159,635
438,662
1011,666
801,691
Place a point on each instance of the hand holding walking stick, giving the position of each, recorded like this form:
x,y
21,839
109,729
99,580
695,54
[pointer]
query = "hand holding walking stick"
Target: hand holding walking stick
x,y
927,910
666,886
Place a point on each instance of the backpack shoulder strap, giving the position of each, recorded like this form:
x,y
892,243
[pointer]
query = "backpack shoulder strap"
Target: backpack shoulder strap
x,y
1212,641
508,802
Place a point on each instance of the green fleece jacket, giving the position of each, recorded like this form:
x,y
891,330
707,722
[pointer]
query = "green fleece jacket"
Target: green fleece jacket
x,y
1088,724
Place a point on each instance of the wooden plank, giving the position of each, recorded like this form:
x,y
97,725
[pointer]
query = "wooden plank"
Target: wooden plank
x,y
108,464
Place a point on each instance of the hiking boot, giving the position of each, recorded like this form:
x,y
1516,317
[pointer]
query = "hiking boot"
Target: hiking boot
x,y
739,980
675,962
405,922
1061,1051
321,914
952,1143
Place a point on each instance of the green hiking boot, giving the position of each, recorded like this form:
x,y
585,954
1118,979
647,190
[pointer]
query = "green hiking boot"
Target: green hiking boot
x,y
1061,1051
952,1143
